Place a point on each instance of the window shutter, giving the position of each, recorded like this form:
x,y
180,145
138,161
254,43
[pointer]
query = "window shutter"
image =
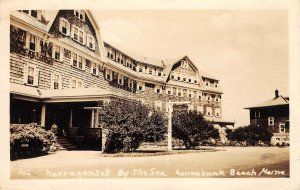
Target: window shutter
x,y
71,61
25,73
38,45
83,63
36,77
52,81
27,40
60,24
84,38
93,42
60,82
53,51
68,28
61,58
72,32
39,15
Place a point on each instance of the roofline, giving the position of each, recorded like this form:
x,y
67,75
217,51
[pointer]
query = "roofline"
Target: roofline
x,y
267,106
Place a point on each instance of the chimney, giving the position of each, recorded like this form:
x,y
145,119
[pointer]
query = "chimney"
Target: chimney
x,y
276,93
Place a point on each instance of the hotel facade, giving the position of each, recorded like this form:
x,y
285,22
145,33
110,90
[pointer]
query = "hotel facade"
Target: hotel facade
x,y
61,70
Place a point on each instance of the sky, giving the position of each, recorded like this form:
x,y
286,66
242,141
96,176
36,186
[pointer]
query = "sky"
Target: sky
x,y
247,50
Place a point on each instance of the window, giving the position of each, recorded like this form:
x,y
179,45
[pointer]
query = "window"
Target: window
x,y
108,75
32,42
75,34
206,83
34,13
56,52
281,128
91,42
79,14
208,97
190,80
94,69
64,26
169,91
76,83
195,81
120,79
184,64
140,69
199,109
78,35
179,92
257,114
184,79
141,86
31,75
172,77
74,59
80,62
56,81
178,78
81,37
208,111
218,112
190,108
190,94
271,121
150,71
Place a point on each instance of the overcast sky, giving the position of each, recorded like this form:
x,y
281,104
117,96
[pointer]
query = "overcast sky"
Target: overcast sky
x,y
247,50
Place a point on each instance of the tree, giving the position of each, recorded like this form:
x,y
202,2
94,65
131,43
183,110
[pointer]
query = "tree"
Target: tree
x,y
250,134
192,128
129,124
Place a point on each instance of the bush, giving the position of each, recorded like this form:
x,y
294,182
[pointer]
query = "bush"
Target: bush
x,y
129,124
192,129
251,135
29,140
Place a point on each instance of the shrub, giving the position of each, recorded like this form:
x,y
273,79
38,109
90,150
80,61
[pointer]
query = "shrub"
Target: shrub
x,y
251,135
29,140
192,128
129,124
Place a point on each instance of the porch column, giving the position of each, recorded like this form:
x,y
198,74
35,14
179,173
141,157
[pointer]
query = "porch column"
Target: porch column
x,y
71,119
92,119
96,118
43,115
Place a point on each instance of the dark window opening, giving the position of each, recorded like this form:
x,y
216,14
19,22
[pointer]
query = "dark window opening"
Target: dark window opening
x,y
34,13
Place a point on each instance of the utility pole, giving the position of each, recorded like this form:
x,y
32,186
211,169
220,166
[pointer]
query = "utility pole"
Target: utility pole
x,y
170,108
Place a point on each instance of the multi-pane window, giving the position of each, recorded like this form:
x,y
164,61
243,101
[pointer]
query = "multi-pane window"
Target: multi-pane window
x,y
81,37
271,121
64,27
57,52
94,68
75,33
76,83
90,42
80,62
79,14
208,111
32,42
199,109
56,81
74,59
30,77
150,71
140,69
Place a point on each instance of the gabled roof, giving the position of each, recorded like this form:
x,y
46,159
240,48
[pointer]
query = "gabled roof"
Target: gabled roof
x,y
279,101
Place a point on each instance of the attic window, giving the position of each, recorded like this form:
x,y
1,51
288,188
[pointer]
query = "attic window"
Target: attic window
x,y
34,13
79,14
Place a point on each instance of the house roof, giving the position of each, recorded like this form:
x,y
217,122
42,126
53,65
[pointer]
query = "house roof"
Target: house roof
x,y
280,100
68,94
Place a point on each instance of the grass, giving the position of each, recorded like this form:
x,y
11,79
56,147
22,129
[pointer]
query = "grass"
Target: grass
x,y
145,153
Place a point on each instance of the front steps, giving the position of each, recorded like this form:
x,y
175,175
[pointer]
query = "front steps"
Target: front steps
x,y
65,144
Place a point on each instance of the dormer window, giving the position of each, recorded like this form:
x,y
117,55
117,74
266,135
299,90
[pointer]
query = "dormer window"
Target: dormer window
x,y
81,37
90,42
75,34
79,14
64,26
